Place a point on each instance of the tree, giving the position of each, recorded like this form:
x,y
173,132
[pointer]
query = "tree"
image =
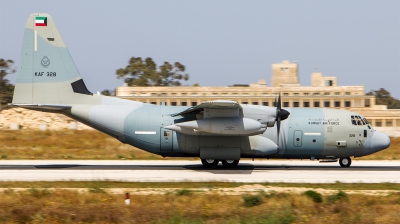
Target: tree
x,y
108,92
145,73
383,98
6,88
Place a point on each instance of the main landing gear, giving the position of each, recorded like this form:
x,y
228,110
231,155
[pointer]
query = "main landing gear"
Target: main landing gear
x,y
345,162
214,163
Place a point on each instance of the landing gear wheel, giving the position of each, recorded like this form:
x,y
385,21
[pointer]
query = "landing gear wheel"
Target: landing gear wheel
x,y
210,162
345,162
230,163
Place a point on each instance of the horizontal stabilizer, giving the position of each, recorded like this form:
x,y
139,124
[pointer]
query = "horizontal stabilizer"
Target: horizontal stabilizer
x,y
42,106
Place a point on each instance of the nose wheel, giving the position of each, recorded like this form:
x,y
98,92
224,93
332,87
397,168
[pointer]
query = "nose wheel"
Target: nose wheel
x,y
345,162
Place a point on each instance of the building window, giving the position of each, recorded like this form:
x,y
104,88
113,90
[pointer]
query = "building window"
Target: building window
x,y
347,93
215,94
327,104
295,104
316,94
328,83
286,94
163,94
389,124
245,102
184,103
265,103
153,94
378,124
255,103
295,94
173,103
337,93
265,94
367,103
285,69
194,104
173,94
316,104
224,94
194,94
347,104
133,94
326,93
184,94
306,94
337,103
306,104
234,94
245,94
285,104
155,103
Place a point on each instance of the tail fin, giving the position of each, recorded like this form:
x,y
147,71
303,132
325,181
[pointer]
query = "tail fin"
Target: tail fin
x,y
47,73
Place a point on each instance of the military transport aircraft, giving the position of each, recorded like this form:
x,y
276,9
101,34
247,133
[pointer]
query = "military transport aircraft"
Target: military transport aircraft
x,y
215,131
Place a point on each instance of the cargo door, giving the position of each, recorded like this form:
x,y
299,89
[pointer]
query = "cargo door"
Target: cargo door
x,y
297,138
166,139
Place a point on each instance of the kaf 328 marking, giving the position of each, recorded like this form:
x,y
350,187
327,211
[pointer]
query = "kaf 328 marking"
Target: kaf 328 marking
x,y
49,74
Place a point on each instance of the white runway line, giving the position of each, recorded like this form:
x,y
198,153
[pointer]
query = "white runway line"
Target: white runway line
x,y
276,172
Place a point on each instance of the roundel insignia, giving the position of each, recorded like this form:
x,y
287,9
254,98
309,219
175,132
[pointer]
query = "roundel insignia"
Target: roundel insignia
x,y
45,61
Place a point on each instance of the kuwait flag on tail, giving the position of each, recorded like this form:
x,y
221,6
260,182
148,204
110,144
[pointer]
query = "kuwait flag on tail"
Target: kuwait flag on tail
x,y
41,21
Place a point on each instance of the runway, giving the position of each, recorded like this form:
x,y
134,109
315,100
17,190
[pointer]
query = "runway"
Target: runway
x,y
288,171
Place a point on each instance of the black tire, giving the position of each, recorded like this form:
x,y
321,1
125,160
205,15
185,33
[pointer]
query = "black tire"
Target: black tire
x,y
230,163
345,162
210,162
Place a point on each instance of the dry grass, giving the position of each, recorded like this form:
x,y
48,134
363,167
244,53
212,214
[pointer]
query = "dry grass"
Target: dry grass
x,y
69,206
85,144
391,153
194,185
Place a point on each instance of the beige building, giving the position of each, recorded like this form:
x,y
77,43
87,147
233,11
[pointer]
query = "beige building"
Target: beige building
x,y
323,92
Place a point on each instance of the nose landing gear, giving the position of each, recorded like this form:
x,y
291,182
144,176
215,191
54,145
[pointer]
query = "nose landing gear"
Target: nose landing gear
x,y
345,162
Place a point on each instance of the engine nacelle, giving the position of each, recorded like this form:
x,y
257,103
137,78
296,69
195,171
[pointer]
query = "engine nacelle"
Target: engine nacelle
x,y
236,126
261,146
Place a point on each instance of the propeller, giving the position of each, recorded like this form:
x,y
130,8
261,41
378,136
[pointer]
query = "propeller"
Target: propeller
x,y
281,114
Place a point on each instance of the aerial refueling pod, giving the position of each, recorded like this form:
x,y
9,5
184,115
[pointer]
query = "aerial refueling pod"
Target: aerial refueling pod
x,y
227,126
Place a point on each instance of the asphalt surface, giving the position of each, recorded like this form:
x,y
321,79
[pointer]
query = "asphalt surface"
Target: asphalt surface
x,y
290,171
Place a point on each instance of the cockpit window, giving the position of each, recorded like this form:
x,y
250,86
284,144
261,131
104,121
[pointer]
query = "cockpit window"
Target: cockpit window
x,y
358,120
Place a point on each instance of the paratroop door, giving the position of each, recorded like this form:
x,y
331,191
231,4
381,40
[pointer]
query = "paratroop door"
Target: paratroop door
x,y
297,138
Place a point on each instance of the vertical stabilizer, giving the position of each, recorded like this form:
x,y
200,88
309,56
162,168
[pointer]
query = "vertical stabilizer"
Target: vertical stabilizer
x,y
47,73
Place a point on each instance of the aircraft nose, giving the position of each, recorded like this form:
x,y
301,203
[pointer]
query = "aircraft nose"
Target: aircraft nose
x,y
379,141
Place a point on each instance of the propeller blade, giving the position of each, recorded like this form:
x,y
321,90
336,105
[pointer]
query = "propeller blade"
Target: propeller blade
x,y
279,101
278,129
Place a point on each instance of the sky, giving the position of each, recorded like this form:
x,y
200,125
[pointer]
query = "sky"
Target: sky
x,y
222,42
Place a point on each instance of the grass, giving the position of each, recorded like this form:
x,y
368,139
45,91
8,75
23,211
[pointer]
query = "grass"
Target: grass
x,y
315,196
85,144
190,186
70,206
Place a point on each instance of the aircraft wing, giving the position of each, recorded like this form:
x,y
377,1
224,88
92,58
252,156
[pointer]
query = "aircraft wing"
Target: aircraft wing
x,y
216,104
